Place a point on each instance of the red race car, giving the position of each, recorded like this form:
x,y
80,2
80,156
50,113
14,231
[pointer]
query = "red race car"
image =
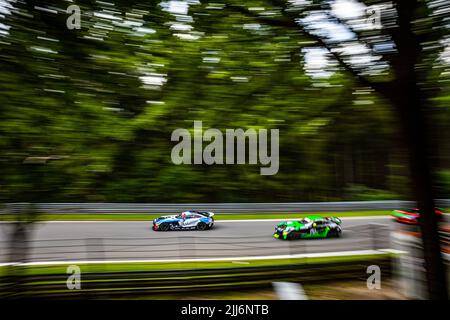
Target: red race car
x,y
411,216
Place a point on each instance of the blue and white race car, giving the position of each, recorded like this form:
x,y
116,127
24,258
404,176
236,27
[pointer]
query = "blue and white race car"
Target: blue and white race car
x,y
187,220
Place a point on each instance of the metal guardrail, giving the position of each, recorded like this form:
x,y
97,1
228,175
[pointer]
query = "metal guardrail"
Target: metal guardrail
x,y
143,283
222,208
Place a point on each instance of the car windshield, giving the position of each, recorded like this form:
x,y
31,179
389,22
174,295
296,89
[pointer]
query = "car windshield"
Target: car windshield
x,y
305,221
186,213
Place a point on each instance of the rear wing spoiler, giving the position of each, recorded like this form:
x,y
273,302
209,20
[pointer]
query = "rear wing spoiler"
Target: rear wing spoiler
x,y
208,214
335,220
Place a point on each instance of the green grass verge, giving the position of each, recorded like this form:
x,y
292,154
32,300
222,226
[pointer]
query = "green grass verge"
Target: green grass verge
x,y
227,282
164,266
218,217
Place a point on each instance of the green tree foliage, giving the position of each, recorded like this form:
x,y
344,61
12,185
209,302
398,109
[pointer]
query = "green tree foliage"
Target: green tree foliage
x,y
99,104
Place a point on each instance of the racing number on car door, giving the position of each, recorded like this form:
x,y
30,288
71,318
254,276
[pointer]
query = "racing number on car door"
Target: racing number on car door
x,y
191,222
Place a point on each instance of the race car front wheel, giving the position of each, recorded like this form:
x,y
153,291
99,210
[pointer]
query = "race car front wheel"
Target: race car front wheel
x,y
334,233
293,236
202,226
164,227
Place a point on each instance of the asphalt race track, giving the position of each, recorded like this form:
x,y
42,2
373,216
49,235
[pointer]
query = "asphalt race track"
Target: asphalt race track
x,y
134,240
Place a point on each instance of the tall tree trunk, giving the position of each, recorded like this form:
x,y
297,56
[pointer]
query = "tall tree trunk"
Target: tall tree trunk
x,y
415,128
411,104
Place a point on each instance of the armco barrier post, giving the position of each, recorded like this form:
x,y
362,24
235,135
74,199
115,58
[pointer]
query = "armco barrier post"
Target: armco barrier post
x,y
94,251
374,229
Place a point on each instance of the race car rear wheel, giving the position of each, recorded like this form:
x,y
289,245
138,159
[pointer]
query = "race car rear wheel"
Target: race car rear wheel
x,y
202,226
164,227
334,233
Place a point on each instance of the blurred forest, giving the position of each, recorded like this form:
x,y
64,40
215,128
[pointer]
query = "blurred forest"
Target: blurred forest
x,y
87,115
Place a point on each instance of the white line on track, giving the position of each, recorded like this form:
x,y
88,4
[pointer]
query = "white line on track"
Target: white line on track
x,y
276,257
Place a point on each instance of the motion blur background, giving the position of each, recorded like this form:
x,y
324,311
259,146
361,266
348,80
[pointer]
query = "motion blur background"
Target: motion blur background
x,y
86,115
103,100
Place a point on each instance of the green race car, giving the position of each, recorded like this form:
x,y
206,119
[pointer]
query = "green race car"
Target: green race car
x,y
309,227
